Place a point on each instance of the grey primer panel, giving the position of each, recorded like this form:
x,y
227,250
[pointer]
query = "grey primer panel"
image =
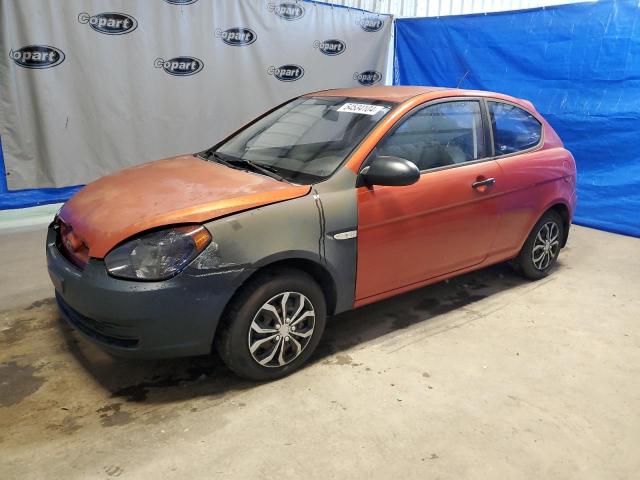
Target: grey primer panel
x,y
302,228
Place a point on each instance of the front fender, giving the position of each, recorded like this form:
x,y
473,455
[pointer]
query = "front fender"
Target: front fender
x,y
291,230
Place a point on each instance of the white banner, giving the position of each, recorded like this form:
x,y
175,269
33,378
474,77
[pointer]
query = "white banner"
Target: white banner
x,y
91,86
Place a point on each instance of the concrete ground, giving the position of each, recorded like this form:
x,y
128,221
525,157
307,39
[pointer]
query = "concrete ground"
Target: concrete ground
x,y
485,376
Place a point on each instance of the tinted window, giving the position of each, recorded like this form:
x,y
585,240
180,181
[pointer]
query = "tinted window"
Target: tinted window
x,y
438,135
514,129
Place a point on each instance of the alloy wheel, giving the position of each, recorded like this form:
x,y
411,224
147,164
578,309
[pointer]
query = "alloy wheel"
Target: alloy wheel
x,y
281,329
545,246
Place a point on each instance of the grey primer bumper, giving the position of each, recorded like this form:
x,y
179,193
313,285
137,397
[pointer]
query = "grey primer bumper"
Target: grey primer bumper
x,y
171,318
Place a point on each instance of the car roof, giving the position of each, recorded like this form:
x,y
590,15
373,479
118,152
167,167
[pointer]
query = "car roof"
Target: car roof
x,y
402,93
395,93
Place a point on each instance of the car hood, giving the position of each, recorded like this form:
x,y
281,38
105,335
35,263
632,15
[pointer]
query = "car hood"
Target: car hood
x,y
176,190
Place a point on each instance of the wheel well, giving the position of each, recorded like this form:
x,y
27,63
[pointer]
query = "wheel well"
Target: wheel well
x,y
563,211
319,273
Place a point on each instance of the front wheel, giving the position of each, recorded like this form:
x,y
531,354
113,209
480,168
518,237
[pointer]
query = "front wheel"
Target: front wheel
x,y
540,251
272,325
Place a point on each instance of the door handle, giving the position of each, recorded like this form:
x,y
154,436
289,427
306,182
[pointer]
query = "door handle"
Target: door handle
x,y
483,183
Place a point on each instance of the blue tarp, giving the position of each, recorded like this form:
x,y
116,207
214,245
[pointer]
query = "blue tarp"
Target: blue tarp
x,y
32,197
580,66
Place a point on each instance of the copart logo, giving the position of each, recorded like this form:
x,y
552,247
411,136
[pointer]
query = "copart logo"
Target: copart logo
x,y
180,66
37,56
181,2
286,73
110,23
330,47
237,37
367,78
371,24
287,10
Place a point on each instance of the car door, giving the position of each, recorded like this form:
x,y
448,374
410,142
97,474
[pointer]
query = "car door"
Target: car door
x,y
444,222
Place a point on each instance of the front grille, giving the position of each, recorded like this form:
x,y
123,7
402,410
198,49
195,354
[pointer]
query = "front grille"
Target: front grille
x,y
104,332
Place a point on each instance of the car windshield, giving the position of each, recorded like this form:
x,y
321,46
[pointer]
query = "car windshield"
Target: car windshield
x,y
307,139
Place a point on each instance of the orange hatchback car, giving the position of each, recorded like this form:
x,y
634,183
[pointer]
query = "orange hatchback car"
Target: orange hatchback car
x,y
328,202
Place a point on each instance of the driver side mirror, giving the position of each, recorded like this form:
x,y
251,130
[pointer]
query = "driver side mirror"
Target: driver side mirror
x,y
391,171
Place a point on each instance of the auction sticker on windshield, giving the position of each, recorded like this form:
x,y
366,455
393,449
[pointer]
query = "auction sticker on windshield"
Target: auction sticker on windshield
x,y
362,108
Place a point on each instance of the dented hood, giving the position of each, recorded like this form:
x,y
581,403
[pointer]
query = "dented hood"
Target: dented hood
x,y
176,190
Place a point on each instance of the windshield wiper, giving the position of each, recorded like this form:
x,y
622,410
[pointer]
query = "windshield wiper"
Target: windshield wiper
x,y
266,169
235,162
219,158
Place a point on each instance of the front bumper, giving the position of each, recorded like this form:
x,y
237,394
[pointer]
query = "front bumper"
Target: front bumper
x,y
170,318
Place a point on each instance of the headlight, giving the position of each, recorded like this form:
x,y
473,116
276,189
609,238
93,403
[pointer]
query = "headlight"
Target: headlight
x,y
158,255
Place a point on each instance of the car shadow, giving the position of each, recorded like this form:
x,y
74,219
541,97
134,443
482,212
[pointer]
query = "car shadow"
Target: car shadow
x,y
161,381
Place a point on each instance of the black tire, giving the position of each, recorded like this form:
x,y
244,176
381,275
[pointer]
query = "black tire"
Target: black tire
x,y
526,263
233,335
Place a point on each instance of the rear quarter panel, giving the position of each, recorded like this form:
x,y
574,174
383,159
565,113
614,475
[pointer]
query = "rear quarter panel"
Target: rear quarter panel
x,y
533,182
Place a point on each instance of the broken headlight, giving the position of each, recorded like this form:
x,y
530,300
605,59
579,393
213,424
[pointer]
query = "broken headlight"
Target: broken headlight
x,y
157,255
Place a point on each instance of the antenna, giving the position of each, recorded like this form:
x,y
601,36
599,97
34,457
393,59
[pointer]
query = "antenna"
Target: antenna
x,y
462,79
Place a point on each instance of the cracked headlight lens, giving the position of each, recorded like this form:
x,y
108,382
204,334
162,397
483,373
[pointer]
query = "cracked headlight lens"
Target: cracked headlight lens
x,y
157,255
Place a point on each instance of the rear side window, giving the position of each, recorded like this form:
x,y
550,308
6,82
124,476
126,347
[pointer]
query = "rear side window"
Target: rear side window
x,y
514,129
438,135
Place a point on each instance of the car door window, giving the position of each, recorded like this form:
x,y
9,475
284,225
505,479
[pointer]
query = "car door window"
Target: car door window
x,y
514,129
438,135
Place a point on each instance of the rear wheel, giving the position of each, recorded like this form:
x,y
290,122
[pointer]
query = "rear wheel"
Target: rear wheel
x,y
540,252
273,325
